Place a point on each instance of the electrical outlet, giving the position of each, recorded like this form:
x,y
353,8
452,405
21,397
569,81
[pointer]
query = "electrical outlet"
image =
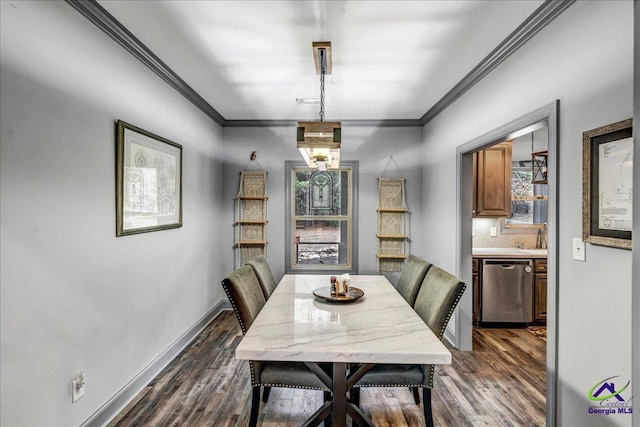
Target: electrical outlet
x,y
493,231
77,387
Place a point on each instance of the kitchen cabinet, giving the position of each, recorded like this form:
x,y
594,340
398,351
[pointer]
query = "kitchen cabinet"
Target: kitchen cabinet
x,y
540,290
476,290
492,181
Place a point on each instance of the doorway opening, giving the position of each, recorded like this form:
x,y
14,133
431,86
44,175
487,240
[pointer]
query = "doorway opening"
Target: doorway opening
x,y
464,317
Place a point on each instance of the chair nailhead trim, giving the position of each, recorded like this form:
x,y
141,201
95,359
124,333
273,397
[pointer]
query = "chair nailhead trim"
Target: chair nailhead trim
x,y
235,309
242,327
287,386
254,383
453,307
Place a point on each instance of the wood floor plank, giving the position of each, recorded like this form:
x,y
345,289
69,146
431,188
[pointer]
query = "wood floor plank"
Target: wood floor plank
x,y
501,383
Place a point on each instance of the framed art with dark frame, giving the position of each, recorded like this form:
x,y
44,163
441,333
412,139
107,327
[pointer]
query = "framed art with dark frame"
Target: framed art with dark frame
x,y
607,190
148,181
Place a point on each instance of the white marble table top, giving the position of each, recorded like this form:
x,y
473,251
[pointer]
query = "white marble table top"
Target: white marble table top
x,y
378,328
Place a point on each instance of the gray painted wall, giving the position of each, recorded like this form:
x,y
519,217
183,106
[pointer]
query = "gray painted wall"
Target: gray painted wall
x,y
583,58
75,297
371,146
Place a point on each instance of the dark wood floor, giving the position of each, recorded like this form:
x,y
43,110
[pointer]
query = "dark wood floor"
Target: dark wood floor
x,y
501,383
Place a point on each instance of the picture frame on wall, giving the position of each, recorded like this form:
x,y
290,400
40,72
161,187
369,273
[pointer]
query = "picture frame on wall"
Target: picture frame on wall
x,y
607,190
148,181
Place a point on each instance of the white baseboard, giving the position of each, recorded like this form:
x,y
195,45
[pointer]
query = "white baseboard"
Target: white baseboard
x,y
113,406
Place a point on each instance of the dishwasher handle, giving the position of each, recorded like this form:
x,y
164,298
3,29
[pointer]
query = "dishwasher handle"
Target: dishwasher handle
x,y
508,264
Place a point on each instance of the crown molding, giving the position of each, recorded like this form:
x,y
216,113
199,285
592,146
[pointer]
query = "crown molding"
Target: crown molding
x,y
539,19
114,29
345,123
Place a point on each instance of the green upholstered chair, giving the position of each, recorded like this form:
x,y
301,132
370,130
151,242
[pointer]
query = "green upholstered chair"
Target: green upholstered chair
x,y
247,299
261,266
438,296
411,277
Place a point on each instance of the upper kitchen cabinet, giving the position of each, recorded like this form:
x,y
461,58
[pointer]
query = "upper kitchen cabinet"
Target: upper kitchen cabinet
x,y
492,181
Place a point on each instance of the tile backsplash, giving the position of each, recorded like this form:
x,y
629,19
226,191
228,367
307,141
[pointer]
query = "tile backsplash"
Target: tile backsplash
x,y
504,238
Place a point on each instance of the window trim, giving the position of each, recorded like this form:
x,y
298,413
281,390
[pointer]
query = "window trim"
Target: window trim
x,y
288,264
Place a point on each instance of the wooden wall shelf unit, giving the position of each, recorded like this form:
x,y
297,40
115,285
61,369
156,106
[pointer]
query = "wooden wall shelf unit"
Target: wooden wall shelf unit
x,y
392,234
250,224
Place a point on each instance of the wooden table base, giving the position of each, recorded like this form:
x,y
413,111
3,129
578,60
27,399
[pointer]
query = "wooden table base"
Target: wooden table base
x,y
339,406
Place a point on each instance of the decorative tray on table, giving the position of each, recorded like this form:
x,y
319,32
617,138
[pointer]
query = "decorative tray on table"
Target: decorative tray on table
x,y
353,294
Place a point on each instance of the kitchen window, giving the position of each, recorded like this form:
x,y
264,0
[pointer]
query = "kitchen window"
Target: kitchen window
x,y
320,227
529,202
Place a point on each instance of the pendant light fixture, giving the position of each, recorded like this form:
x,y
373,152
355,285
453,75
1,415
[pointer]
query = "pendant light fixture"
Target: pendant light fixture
x,y
319,141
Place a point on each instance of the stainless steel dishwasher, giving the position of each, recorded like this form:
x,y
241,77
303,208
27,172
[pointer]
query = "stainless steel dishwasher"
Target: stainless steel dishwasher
x,y
507,290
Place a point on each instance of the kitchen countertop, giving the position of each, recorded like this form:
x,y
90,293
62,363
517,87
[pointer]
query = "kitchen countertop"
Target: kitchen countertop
x,y
508,253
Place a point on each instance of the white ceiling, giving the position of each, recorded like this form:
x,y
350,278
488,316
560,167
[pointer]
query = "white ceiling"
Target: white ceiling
x,y
250,60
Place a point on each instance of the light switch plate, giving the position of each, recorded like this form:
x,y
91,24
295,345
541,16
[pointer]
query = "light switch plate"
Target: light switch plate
x,y
578,249
493,231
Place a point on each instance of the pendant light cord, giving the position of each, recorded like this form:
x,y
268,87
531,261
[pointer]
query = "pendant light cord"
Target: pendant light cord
x,y
323,62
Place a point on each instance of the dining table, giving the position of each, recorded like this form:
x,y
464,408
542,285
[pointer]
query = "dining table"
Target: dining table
x,y
376,326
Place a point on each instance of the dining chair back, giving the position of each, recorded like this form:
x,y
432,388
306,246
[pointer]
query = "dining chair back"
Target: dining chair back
x,y
411,276
438,295
245,295
247,299
265,275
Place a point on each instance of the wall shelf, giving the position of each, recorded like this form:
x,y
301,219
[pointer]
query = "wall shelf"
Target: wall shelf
x,y
250,226
380,256
392,234
392,210
251,243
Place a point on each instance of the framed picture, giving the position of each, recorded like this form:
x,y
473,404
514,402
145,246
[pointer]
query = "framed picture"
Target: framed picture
x,y
607,177
148,181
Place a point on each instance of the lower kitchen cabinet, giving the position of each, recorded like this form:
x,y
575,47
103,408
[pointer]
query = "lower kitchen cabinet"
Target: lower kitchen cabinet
x,y
476,291
540,290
